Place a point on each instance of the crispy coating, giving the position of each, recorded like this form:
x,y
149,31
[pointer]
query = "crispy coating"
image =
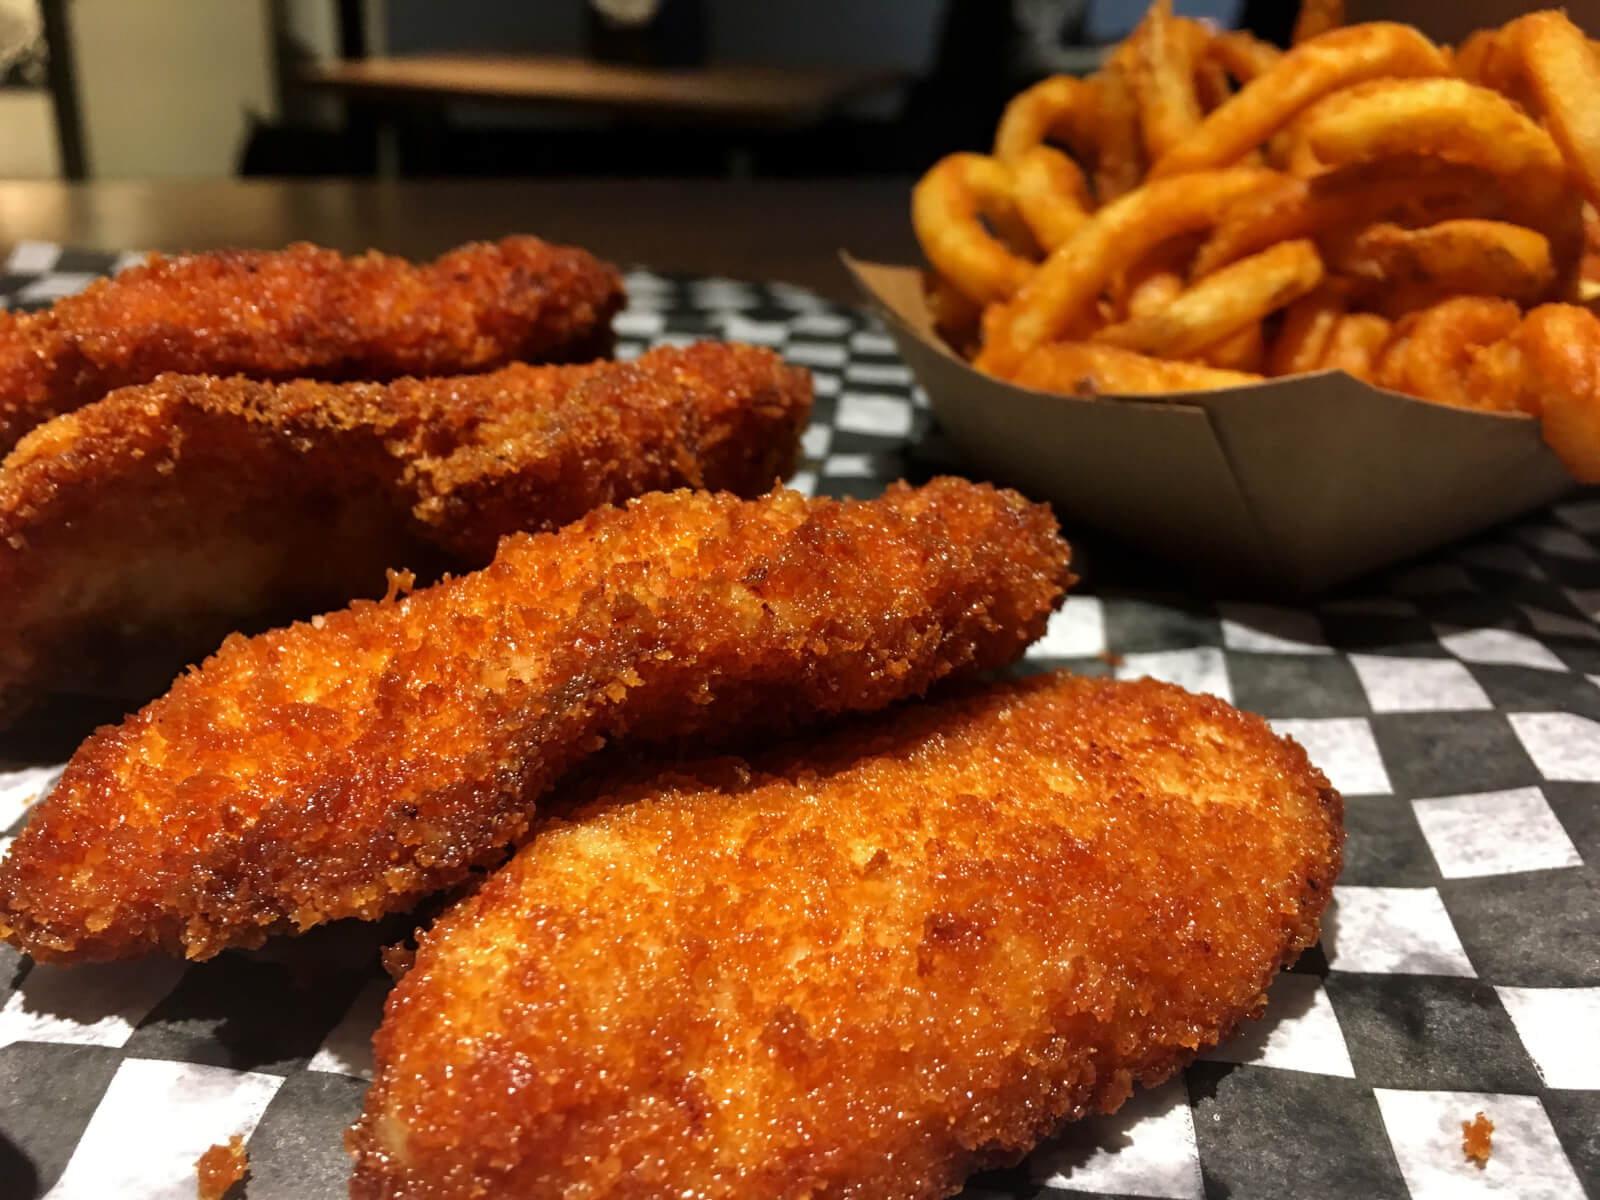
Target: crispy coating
x,y
306,312
350,765
1477,1140
863,967
220,1167
138,531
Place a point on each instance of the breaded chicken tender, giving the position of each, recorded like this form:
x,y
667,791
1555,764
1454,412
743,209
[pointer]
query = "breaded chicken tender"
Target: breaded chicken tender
x,y
348,766
861,967
306,312
138,531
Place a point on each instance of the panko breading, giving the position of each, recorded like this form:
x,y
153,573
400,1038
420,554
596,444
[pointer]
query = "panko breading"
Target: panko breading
x,y
138,531
863,967
220,1167
353,764
306,312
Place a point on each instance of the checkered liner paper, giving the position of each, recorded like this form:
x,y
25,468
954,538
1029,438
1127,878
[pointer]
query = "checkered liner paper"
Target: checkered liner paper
x,y
1455,701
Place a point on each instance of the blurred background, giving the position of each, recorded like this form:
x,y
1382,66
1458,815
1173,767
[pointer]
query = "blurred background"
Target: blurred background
x,y
172,89
175,89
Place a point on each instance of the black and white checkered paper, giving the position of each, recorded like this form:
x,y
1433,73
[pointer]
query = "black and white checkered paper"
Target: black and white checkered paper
x,y
1454,700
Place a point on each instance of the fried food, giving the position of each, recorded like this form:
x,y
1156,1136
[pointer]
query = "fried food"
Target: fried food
x,y
141,529
220,1167
1433,348
1354,344
1244,350
351,765
1308,326
1558,346
1410,190
1404,178
1304,75
1450,119
1237,296
1163,81
1243,55
306,312
1467,257
1059,295
1473,352
946,207
1060,108
1051,195
1095,369
1120,161
1546,64
866,966
1477,1140
1316,18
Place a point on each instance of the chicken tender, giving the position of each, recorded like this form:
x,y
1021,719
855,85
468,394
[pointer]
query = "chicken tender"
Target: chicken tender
x,y
863,967
348,766
306,312
140,530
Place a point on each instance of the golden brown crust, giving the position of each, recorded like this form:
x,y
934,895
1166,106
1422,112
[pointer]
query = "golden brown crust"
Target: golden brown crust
x,y
306,312
863,967
220,1167
348,766
138,531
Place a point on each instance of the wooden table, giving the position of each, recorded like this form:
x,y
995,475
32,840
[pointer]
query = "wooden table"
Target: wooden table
x,y
754,229
727,93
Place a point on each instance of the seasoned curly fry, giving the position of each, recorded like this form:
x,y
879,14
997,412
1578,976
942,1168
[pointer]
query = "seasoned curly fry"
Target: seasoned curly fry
x,y
1211,86
1119,147
1219,305
1245,350
1060,108
1243,55
1061,293
1051,195
1564,73
1151,289
1451,119
1300,78
945,209
1316,18
1405,189
1092,369
1163,76
1354,344
1462,257
956,315
1457,122
1308,326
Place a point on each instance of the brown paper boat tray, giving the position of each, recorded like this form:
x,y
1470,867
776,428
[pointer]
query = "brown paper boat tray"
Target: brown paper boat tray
x,y
1289,486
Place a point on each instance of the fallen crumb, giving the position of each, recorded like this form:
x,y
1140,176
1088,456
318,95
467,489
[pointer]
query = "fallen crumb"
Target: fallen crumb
x,y
1110,657
1475,1139
220,1167
401,584
397,959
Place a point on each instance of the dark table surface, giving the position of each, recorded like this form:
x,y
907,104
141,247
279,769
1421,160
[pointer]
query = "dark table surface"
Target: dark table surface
x,y
752,229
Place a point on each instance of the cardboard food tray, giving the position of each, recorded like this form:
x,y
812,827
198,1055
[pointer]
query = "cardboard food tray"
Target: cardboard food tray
x,y
1288,486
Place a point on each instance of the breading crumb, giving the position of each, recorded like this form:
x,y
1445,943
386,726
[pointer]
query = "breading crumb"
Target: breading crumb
x,y
222,1166
1476,1136
397,960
